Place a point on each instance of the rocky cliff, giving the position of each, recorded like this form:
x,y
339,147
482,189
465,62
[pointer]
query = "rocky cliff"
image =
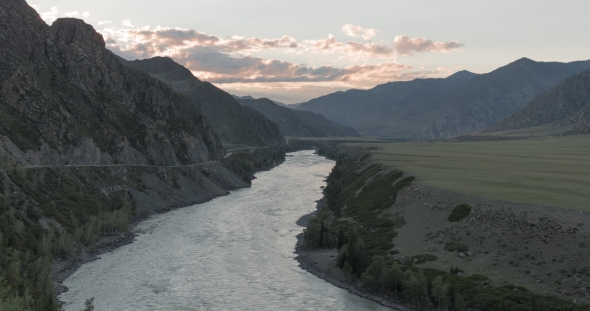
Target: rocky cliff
x,y
65,99
235,124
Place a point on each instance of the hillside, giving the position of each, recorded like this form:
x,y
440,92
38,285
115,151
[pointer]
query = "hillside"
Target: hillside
x,y
250,97
583,127
298,123
566,103
459,104
234,124
87,146
65,99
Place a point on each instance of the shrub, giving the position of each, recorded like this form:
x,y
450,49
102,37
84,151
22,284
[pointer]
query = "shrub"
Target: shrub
x,y
478,277
456,247
459,212
422,258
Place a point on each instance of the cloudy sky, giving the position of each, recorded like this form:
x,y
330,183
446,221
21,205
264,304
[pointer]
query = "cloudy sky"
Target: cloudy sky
x,y
292,51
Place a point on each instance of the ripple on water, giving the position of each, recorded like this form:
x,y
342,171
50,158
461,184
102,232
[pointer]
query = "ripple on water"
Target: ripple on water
x,y
233,253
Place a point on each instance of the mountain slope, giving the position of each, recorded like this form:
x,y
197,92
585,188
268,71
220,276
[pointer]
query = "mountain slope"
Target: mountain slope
x,y
298,123
66,99
567,102
234,124
459,104
250,97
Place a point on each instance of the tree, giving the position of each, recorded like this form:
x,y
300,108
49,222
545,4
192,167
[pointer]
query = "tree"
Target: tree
x,y
341,239
440,293
415,287
89,304
391,278
460,304
372,274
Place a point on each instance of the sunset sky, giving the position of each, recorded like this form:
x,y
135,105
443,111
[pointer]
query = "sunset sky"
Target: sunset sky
x,y
292,51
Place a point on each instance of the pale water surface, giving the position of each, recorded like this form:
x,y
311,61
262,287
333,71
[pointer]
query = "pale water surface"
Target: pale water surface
x,y
233,253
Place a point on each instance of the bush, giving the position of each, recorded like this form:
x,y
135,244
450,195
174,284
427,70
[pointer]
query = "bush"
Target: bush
x,y
459,212
456,247
422,258
478,277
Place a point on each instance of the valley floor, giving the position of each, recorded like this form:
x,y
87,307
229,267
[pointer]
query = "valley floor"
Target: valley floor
x,y
542,248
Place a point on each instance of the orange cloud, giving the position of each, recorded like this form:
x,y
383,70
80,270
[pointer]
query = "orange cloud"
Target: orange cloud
x,y
351,48
231,62
405,45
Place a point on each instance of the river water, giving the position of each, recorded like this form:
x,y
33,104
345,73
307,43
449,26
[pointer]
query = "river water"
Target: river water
x,y
233,253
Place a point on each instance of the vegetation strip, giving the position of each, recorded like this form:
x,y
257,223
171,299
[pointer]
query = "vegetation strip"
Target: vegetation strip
x,y
65,216
358,222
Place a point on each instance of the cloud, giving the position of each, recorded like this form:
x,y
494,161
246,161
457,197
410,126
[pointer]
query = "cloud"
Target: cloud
x,y
127,23
351,48
104,22
50,16
233,61
165,41
358,31
405,45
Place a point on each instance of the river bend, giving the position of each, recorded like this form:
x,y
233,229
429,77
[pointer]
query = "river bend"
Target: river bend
x,y
233,253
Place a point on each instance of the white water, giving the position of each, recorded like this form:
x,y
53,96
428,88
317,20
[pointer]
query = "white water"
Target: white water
x,y
233,253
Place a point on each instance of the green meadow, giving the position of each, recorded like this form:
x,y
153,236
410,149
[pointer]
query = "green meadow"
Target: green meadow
x,y
553,171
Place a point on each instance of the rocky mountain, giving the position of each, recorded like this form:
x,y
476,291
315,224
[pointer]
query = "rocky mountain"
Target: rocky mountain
x,y
566,103
234,124
298,123
250,97
462,103
66,99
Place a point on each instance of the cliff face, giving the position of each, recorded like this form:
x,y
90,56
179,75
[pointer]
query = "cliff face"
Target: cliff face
x,y
234,124
66,99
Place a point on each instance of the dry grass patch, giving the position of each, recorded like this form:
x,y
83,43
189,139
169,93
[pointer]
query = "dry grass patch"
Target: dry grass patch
x,y
547,171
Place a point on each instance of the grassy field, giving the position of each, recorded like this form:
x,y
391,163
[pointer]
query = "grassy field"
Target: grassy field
x,y
552,171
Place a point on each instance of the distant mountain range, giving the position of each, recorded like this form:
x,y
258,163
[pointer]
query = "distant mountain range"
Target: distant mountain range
x,y
564,104
234,124
298,123
274,101
462,103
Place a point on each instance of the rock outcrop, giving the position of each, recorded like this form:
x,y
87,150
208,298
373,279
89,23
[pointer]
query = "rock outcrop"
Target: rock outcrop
x,y
66,99
235,124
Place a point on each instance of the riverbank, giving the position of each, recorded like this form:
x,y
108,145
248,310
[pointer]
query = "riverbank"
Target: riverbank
x,y
498,247
321,263
164,189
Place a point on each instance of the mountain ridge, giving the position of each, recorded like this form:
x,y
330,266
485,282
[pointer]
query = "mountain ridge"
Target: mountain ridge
x,y
234,123
455,105
298,123
566,103
126,116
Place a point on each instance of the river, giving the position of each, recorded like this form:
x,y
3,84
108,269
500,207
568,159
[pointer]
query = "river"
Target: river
x,y
232,253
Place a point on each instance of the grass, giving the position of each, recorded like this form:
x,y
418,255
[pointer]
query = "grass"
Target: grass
x,y
550,171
